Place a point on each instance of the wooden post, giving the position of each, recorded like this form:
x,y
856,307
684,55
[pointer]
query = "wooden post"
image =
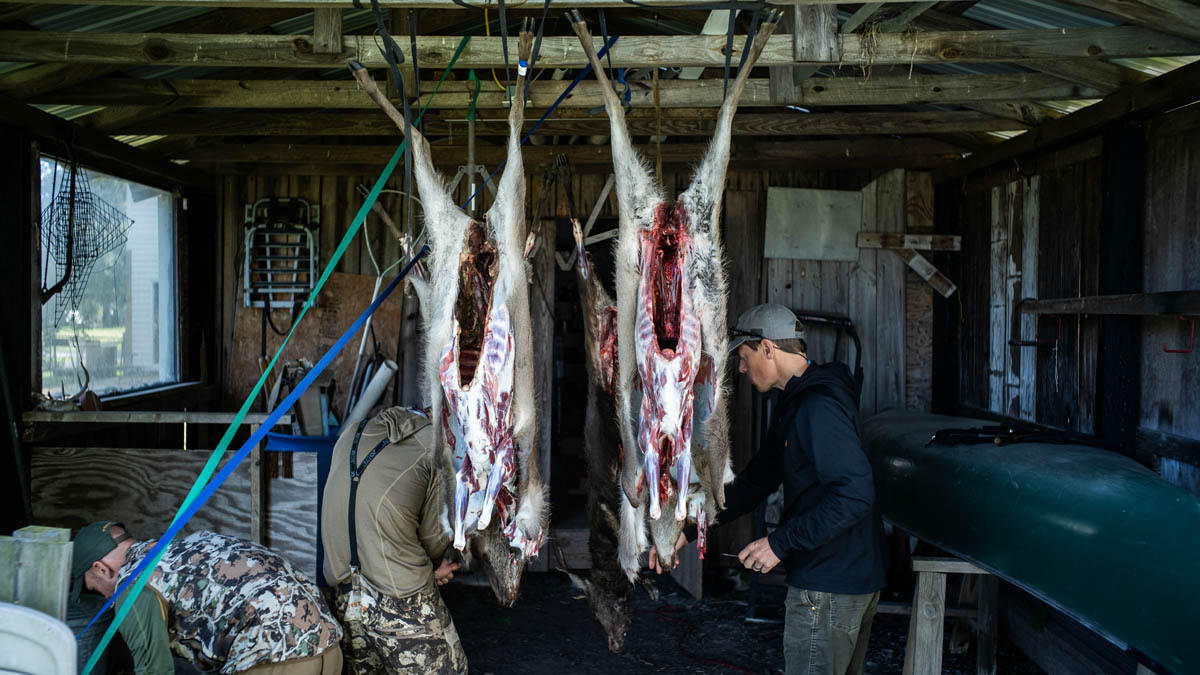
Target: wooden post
x,y
986,624
929,605
814,38
35,569
257,502
327,30
923,651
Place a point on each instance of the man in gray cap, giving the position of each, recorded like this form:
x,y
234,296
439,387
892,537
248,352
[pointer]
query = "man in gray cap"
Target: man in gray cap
x,y
830,538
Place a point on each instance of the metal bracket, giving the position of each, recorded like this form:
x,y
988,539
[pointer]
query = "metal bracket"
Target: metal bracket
x,y
1191,342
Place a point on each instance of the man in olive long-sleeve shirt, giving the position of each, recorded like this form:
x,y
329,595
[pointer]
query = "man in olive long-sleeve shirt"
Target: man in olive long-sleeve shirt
x,y
830,539
383,523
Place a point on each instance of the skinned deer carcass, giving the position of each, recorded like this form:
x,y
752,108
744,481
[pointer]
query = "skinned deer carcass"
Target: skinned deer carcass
x,y
478,359
609,590
672,340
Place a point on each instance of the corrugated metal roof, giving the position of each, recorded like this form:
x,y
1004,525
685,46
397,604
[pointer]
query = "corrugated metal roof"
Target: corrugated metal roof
x,y
113,19
1032,14
1003,14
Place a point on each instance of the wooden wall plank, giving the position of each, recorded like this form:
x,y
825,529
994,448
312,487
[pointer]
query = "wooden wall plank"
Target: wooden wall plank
x,y
890,271
743,238
918,298
834,282
862,302
1028,323
997,306
1172,247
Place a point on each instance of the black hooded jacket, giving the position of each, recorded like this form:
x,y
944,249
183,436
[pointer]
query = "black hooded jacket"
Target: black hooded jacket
x,y
831,535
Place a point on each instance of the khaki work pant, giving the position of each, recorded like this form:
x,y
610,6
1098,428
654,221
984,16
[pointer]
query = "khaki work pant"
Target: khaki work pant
x,y
328,662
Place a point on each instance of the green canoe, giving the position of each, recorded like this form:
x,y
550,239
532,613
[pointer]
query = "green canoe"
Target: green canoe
x,y
1089,531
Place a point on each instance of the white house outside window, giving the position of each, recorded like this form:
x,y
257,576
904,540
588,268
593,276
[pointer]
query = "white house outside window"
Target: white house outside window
x,y
123,329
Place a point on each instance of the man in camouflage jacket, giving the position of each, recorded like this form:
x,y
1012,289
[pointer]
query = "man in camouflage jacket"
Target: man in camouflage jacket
x,y
220,602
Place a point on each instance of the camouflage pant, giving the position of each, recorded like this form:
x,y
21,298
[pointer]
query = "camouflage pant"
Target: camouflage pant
x,y
400,635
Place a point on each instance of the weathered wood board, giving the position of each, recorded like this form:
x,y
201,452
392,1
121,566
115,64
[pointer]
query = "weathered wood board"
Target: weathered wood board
x,y
143,488
343,299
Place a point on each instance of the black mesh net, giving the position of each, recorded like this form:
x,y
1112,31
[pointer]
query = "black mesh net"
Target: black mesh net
x,y
78,228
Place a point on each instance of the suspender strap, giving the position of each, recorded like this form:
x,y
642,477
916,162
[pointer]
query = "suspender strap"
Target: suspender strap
x,y
356,471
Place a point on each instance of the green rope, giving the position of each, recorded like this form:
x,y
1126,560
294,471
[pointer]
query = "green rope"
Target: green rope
x,y
475,96
211,466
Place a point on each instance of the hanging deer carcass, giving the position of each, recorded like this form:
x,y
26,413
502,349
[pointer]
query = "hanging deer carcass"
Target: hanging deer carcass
x,y
671,335
609,591
478,360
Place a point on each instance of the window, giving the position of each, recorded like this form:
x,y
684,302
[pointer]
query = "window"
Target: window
x,y
116,317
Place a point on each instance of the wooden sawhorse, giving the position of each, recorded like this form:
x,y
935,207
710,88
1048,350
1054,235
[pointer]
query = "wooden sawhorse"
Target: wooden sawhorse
x,y
923,651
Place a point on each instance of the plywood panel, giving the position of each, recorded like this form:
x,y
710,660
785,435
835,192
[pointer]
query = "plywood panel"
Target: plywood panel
x,y
292,513
343,299
142,488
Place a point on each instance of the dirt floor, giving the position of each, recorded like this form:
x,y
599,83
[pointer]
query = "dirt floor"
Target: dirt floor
x,y
552,630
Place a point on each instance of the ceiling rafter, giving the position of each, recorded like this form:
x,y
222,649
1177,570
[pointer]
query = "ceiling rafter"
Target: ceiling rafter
x,y
297,51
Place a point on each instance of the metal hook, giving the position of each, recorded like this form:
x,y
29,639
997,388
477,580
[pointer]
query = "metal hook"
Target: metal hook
x,y
1191,342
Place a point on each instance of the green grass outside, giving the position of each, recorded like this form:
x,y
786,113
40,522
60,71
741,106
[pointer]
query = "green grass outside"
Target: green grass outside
x,y
114,335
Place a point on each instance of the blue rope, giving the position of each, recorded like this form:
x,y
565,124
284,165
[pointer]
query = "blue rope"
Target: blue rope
x,y
561,97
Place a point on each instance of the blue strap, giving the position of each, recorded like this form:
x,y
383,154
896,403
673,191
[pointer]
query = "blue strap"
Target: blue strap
x,y
141,575
561,97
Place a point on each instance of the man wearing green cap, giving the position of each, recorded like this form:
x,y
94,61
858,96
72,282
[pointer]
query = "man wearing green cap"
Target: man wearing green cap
x,y
220,602
830,538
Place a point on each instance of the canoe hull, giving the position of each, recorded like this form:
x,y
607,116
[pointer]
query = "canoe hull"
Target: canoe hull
x,y
1088,530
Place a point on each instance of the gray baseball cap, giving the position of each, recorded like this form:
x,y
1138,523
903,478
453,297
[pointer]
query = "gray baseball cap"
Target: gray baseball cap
x,y
765,322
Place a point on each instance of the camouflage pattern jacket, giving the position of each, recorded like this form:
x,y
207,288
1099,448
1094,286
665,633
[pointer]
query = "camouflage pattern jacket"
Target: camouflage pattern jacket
x,y
232,604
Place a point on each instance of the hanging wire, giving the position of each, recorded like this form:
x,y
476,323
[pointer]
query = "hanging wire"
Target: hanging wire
x,y
487,31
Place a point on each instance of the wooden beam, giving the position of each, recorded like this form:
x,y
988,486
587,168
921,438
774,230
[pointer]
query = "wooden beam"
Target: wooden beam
x,y
144,417
91,146
777,124
1178,87
926,271
300,51
1097,73
876,152
945,566
814,34
26,82
1177,17
1170,303
400,4
1027,112
919,242
840,91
